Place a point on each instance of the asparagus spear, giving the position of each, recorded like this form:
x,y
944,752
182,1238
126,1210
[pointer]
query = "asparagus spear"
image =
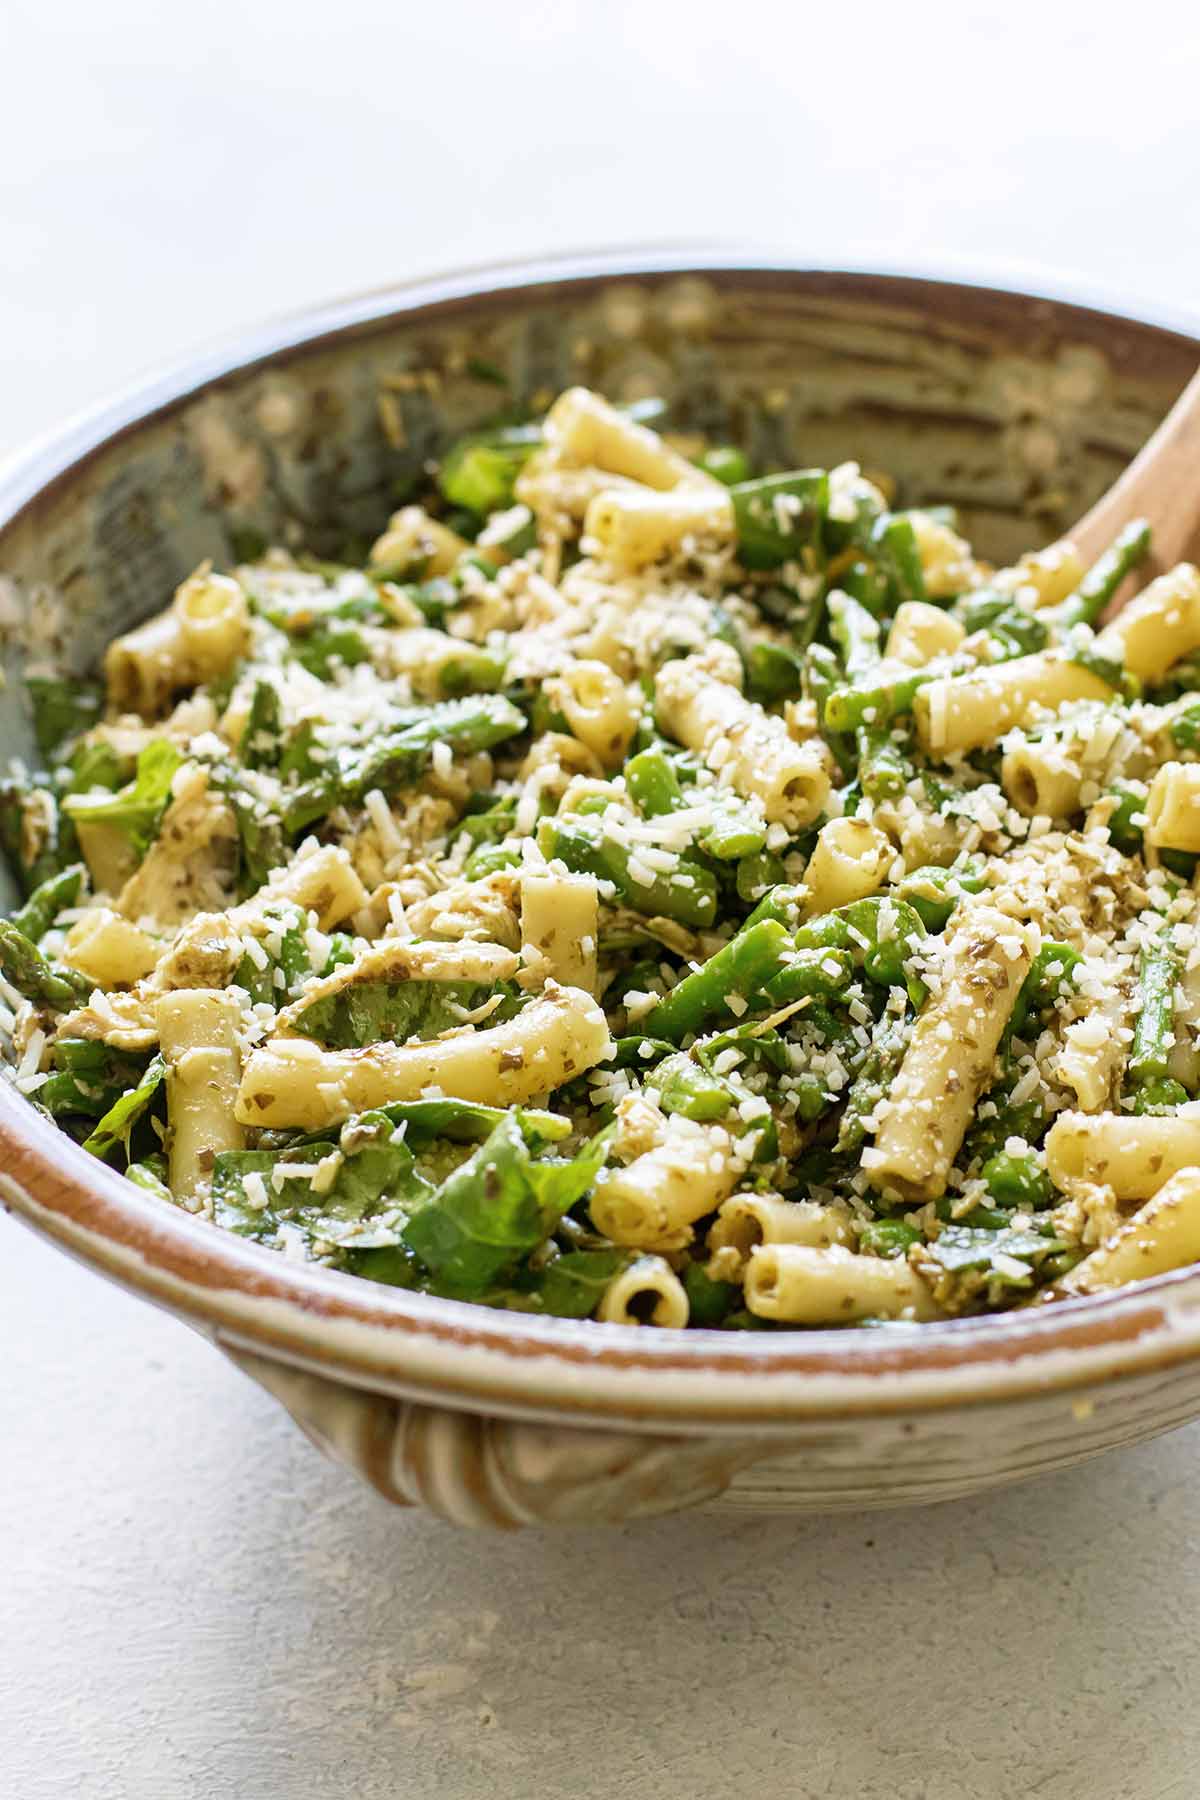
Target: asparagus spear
x,y
43,982
779,516
51,897
1153,1033
688,893
1102,580
743,966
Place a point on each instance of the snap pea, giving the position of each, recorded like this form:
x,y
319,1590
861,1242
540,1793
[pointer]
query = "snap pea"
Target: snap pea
x,y
884,771
887,1237
1018,1178
778,517
684,1087
1161,1094
808,972
652,783
856,633
894,543
930,892
729,465
1051,970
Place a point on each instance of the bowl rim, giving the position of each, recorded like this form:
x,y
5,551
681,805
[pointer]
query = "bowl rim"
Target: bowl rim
x,y
464,1355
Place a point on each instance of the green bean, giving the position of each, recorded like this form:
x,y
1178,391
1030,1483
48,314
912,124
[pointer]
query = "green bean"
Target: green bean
x,y
773,672
1102,580
627,1051
980,1217
479,472
831,1027
151,1175
489,858
1011,1118
687,894
47,900
262,741
1015,628
1153,1033
511,533
778,517
822,674
61,709
810,1096
1123,833
742,967
883,770
42,982
822,678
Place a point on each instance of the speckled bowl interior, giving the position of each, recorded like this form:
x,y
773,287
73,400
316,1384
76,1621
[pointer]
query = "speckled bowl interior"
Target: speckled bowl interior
x,y
1021,410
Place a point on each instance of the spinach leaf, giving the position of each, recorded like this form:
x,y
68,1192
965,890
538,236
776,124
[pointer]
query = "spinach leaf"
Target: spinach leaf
x,y
497,1206
120,1119
375,1183
370,1012
138,807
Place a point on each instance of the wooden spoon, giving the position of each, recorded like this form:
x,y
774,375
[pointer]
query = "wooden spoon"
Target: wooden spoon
x,y
1161,485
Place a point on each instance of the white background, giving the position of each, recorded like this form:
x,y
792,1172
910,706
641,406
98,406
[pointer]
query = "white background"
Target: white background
x,y
192,1606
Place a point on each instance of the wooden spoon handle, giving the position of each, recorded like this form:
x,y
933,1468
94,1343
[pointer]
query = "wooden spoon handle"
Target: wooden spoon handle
x,y
1161,484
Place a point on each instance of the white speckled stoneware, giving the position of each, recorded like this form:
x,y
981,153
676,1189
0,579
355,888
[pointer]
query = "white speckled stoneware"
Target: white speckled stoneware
x,y
1022,410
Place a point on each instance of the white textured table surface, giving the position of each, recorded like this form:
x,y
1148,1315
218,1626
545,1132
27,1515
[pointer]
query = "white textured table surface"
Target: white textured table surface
x,y
192,1605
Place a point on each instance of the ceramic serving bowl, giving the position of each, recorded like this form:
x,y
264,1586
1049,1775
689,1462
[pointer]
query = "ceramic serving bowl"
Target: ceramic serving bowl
x,y
1021,410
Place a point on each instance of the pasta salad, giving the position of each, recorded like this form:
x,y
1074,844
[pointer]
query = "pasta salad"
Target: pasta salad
x,y
647,889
